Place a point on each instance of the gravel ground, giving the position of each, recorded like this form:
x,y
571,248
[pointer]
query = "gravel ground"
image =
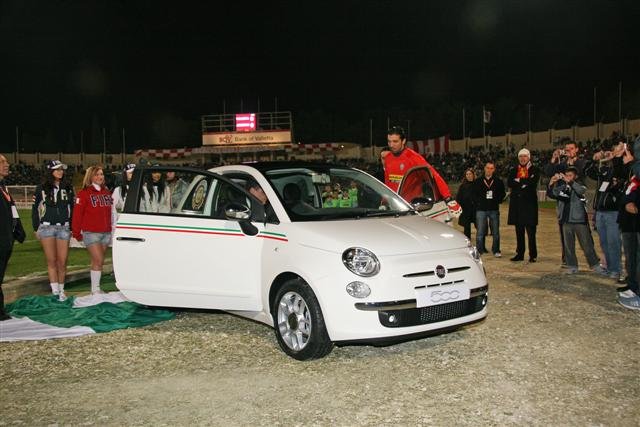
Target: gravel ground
x,y
555,350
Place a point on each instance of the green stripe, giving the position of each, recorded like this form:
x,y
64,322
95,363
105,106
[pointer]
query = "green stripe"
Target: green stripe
x,y
273,234
197,228
437,212
179,226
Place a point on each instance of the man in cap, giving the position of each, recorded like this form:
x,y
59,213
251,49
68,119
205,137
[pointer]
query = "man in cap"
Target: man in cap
x,y
523,204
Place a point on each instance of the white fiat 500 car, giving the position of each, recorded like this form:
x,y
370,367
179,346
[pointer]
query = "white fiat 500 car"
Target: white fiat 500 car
x,y
333,256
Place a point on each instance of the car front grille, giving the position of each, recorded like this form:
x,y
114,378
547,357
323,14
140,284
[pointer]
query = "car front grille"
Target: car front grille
x,y
432,314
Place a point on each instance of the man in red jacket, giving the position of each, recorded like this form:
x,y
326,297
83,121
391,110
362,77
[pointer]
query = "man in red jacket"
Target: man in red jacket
x,y
401,159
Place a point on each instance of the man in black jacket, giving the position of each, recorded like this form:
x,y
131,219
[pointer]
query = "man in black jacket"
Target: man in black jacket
x,y
608,169
523,204
10,229
488,192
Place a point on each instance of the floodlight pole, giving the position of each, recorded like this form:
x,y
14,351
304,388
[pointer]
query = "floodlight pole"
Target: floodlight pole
x,y
620,104
595,110
464,130
371,136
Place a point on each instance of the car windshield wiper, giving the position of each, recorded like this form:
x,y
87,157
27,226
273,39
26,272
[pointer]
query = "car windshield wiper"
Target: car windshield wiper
x,y
376,212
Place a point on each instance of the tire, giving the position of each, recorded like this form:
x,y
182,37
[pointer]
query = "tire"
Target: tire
x,y
298,322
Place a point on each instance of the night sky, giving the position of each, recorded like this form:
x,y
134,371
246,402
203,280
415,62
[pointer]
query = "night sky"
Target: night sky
x,y
155,67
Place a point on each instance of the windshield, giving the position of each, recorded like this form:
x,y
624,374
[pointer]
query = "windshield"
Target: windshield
x,y
318,194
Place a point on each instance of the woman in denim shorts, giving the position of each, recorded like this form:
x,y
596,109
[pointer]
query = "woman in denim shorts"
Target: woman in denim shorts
x,y
51,216
92,221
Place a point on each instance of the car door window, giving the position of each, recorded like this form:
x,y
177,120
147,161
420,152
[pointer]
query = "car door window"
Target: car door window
x,y
226,194
418,182
189,193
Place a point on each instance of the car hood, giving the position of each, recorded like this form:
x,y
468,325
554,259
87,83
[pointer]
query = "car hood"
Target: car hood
x,y
384,236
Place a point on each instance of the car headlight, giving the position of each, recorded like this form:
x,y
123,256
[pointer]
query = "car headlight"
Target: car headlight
x,y
473,253
361,261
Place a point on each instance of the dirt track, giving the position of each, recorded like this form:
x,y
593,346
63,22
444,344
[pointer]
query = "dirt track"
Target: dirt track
x,y
555,349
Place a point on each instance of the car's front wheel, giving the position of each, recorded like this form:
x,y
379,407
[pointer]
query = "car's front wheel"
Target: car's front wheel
x,y
298,322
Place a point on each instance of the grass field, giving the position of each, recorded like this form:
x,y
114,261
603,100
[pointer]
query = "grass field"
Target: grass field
x,y
28,258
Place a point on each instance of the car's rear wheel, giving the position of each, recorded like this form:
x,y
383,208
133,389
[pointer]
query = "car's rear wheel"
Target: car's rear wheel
x,y
298,322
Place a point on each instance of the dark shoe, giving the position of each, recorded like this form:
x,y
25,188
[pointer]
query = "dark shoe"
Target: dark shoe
x,y
517,258
4,316
532,260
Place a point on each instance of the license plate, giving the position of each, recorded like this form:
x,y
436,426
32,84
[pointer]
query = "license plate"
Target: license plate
x,y
441,294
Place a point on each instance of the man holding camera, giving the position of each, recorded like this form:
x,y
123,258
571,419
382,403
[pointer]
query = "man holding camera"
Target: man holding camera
x,y
608,170
572,215
561,159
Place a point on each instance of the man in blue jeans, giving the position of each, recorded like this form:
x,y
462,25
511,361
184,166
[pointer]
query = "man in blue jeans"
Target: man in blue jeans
x,y
488,193
608,169
629,296
572,214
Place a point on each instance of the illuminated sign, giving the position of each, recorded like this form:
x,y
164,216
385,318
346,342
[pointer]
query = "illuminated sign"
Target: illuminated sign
x,y
241,138
246,122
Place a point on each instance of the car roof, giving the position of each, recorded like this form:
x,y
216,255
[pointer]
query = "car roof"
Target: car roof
x,y
277,165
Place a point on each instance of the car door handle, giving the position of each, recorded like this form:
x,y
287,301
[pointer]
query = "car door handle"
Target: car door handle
x,y
130,239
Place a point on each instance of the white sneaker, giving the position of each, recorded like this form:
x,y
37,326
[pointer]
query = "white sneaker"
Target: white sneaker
x,y
97,292
630,303
62,296
498,255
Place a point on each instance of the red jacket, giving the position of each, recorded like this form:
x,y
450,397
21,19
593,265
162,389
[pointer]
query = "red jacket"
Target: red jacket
x,y
395,166
92,212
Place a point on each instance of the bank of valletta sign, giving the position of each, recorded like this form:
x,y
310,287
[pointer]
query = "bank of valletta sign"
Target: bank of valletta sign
x,y
239,138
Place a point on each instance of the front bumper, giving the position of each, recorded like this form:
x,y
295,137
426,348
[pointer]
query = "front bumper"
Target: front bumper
x,y
405,313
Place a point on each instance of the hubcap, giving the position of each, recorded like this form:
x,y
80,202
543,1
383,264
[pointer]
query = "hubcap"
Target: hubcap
x,y
294,321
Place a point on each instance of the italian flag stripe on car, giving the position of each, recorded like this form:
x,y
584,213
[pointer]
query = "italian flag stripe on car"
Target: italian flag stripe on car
x,y
197,230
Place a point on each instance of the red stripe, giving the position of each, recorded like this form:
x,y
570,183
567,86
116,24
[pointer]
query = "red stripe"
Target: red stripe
x,y
179,231
274,238
441,213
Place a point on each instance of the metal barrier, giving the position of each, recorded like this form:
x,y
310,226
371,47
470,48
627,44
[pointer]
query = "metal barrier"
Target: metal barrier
x,y
22,195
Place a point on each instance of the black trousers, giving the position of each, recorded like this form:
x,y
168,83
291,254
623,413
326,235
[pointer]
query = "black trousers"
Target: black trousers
x,y
4,260
467,229
531,234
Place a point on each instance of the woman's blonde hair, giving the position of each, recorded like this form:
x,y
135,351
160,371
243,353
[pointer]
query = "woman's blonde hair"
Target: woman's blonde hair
x,y
91,171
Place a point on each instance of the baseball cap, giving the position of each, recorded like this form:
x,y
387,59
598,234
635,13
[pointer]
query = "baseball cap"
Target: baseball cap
x,y
56,164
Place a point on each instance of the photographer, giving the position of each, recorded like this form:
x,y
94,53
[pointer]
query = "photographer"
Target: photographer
x,y
607,169
572,214
561,159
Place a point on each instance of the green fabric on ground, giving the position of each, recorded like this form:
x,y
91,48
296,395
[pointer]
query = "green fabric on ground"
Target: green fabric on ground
x,y
103,317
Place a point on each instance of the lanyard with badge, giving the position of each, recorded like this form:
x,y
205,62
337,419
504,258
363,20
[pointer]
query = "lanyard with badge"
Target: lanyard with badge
x,y
489,195
7,196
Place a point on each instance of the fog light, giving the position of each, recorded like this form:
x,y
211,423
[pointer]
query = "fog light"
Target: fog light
x,y
358,290
392,318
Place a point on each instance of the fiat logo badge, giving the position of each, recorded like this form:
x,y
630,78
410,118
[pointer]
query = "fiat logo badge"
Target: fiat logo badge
x,y
440,271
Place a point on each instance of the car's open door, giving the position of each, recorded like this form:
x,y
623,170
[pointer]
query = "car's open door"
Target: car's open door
x,y
419,183
193,255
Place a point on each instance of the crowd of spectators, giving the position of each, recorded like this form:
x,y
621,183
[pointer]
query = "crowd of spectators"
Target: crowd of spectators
x,y
451,166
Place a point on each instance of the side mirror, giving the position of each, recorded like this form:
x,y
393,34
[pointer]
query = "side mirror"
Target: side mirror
x,y
237,212
242,214
422,204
